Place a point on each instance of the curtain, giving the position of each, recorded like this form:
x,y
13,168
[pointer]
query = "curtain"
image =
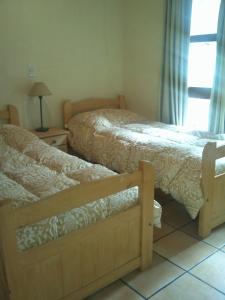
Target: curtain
x,y
217,103
174,94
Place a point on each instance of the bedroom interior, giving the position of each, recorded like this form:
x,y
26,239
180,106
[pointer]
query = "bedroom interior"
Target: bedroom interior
x,y
86,49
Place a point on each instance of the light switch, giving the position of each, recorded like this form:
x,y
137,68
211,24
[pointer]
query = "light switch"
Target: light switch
x,y
31,71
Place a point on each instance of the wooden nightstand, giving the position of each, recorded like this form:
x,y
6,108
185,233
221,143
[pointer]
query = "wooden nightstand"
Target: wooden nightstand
x,y
55,137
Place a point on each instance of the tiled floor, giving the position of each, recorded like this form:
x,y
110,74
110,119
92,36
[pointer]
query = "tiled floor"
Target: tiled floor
x,y
184,266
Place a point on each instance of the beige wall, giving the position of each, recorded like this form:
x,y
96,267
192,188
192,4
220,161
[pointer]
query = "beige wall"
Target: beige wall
x,y
143,44
80,48
74,45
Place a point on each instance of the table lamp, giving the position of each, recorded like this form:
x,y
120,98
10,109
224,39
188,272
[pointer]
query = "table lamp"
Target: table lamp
x,y
40,89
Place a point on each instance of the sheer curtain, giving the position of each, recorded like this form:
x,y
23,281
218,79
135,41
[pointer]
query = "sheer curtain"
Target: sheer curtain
x,y
174,94
217,103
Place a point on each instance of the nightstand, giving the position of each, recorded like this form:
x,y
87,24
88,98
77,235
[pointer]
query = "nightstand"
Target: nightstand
x,y
55,137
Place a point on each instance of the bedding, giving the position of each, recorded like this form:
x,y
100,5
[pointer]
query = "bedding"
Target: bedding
x,y
31,170
118,139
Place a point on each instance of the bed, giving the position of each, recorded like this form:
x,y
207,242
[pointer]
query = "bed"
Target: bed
x,y
67,227
188,165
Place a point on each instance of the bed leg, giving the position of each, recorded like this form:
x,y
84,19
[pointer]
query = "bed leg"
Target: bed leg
x,y
204,224
208,175
9,252
147,204
122,102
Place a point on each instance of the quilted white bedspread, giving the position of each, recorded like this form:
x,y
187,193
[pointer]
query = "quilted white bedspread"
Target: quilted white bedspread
x,y
118,139
30,170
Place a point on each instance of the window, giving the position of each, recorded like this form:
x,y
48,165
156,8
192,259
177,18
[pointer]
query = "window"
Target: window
x,y
201,61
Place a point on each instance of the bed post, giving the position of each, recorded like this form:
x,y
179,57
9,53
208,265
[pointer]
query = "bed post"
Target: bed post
x,y
208,174
10,254
147,203
122,102
67,113
13,115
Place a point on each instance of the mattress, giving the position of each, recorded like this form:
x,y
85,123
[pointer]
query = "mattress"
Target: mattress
x,y
31,170
118,139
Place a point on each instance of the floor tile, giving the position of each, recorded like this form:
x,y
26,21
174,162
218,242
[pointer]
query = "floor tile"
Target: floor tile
x,y
161,232
216,237
212,270
182,249
175,215
158,275
115,291
196,290
192,229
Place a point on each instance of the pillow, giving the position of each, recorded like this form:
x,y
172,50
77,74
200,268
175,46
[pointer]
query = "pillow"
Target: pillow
x,y
17,137
106,118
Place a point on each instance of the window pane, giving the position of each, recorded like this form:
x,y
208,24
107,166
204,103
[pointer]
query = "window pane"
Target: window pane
x,y
201,64
197,114
204,16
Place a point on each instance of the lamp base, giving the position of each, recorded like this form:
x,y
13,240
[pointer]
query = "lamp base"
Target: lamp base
x,y
41,129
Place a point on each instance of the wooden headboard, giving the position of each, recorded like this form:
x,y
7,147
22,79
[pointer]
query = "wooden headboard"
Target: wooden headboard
x,y
71,108
10,115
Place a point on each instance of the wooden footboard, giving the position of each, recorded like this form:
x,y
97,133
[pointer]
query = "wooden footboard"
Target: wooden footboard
x,y
212,213
85,260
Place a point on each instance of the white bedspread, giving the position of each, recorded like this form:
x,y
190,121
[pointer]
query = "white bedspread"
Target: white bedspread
x,y
31,170
118,139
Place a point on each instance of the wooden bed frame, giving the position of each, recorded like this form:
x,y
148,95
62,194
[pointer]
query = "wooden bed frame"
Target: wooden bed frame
x,y
212,213
78,264
10,115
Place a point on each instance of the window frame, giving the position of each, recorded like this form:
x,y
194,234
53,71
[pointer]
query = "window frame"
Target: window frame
x,y
203,38
197,91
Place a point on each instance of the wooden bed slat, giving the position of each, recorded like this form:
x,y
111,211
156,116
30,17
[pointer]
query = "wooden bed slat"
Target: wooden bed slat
x,y
220,179
74,197
220,152
85,260
51,248
105,280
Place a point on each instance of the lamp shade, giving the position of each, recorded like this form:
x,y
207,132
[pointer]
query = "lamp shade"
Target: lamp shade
x,y
39,89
